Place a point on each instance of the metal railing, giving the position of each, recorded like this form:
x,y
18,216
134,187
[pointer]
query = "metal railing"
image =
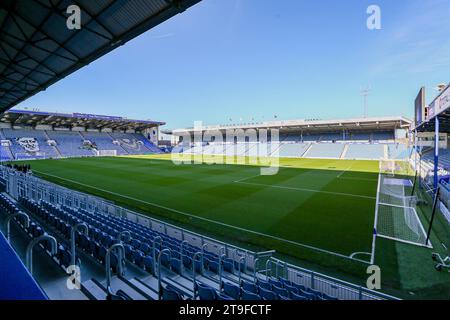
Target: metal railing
x,y
19,184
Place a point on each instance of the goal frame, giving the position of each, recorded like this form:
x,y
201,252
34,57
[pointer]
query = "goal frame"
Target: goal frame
x,y
106,153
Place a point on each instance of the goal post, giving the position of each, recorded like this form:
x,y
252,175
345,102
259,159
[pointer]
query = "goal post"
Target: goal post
x,y
29,156
106,153
396,214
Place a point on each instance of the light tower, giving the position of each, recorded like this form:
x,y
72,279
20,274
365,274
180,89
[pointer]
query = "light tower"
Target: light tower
x,y
365,93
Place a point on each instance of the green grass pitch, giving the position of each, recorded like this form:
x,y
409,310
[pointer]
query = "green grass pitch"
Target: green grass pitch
x,y
312,209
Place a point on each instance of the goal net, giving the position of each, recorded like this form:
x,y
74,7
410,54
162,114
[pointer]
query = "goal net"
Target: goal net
x,y
105,153
29,155
396,214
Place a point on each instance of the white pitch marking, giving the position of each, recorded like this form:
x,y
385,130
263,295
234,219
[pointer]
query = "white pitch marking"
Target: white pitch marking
x,y
309,190
209,220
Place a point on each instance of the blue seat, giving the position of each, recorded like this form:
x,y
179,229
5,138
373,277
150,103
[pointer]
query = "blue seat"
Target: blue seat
x,y
275,282
250,296
222,296
228,265
290,289
187,262
267,294
138,258
175,265
308,295
280,291
169,293
295,296
213,266
148,263
264,284
248,286
231,290
205,292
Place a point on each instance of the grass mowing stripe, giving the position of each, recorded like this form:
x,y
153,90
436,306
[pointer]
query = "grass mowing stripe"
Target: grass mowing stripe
x,y
205,219
307,190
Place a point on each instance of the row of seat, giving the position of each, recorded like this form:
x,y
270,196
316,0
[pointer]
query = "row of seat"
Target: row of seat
x,y
34,230
141,248
273,289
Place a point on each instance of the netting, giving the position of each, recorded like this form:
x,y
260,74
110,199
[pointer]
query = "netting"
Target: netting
x,y
106,153
397,217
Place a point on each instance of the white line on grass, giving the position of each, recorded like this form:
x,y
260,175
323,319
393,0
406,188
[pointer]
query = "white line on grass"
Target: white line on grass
x,y
342,172
247,178
308,190
206,219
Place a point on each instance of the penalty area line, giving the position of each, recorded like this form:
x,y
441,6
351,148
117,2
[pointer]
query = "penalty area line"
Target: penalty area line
x,y
208,220
308,190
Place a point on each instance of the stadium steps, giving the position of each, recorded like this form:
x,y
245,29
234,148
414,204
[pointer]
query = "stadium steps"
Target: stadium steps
x,y
119,145
9,152
54,147
386,151
344,152
94,290
142,287
306,150
119,283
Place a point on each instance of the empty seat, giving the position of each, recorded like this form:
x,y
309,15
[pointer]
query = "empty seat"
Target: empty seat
x,y
249,296
231,290
175,265
248,286
280,291
205,292
267,294
170,293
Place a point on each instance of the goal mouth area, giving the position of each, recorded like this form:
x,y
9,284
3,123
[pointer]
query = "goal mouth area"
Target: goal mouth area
x,y
106,153
396,208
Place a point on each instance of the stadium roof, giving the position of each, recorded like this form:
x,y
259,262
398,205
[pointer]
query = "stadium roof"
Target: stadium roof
x,y
377,123
69,120
37,49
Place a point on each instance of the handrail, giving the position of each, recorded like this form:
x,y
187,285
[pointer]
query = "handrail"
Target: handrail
x,y
204,246
164,251
255,269
29,251
154,251
267,269
11,216
242,258
220,264
194,259
72,240
181,255
108,263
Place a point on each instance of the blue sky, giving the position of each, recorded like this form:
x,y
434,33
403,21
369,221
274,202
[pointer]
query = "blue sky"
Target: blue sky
x,y
253,59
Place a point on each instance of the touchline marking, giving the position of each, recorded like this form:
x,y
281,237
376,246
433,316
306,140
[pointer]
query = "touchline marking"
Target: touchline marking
x,y
247,178
206,219
309,190
363,179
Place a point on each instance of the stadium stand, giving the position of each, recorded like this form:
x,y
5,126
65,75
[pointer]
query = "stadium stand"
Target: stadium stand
x,y
325,150
365,151
292,149
155,263
78,137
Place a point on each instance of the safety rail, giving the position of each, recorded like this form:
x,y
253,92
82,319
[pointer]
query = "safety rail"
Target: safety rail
x,y
32,187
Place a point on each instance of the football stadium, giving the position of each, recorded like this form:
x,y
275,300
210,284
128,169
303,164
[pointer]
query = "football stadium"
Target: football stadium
x,y
98,206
